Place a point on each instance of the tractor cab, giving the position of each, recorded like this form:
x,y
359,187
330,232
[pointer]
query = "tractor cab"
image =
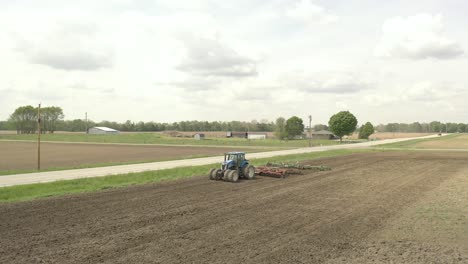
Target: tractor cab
x,y
234,160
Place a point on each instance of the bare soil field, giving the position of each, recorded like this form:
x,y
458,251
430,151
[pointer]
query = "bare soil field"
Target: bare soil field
x,y
384,207
390,135
23,155
456,142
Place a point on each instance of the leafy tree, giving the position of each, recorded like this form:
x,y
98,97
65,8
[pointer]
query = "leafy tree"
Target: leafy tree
x,y
342,123
415,127
436,126
366,130
294,127
381,128
50,116
402,127
393,127
24,119
5,125
280,128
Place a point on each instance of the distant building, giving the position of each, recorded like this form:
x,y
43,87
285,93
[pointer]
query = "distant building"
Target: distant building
x,y
322,134
256,135
247,135
231,134
102,131
199,136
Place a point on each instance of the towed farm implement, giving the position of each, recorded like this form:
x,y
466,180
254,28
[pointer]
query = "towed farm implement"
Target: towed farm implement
x,y
281,169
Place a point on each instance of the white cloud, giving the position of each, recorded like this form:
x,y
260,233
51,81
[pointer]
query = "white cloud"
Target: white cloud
x,y
416,37
325,82
211,57
65,45
308,12
341,105
427,91
195,83
379,99
171,60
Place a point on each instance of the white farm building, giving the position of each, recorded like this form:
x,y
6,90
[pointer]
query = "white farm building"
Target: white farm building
x,y
102,130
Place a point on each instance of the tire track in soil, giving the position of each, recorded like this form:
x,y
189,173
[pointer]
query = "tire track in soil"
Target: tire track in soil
x,y
304,218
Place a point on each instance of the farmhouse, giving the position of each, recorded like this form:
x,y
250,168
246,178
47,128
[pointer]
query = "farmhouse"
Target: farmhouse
x,y
322,134
102,131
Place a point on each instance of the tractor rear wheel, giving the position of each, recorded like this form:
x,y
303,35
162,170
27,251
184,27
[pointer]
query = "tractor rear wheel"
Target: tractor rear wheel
x,y
212,174
234,176
249,172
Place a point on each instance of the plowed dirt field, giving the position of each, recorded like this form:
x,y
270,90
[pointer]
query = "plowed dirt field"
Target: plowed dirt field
x,y
371,208
15,155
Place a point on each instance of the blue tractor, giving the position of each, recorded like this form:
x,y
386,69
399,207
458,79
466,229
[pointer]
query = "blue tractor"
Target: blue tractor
x,y
234,166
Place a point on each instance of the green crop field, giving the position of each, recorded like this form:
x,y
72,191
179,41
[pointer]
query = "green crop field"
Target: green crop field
x,y
156,138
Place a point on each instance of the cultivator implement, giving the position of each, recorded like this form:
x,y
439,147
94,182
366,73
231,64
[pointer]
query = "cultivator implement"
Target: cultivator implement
x,y
297,166
281,170
271,172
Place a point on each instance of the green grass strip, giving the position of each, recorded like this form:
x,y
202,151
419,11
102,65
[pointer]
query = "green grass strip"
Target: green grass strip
x,y
34,191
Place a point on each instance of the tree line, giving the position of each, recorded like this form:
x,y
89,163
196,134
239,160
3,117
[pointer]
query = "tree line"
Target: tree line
x,y
416,127
194,125
24,121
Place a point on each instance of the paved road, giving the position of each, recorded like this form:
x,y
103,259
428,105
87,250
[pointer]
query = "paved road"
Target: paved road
x,y
42,177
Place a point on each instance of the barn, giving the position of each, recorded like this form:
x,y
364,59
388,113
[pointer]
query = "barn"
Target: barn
x,y
256,135
102,131
322,134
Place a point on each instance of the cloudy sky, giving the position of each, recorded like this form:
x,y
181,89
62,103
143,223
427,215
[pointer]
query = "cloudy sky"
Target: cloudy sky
x,y
172,60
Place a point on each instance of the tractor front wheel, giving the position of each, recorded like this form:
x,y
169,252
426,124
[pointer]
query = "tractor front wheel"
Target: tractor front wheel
x,y
227,175
212,174
218,174
249,172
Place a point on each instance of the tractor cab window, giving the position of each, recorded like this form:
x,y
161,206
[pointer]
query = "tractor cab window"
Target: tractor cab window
x,y
236,157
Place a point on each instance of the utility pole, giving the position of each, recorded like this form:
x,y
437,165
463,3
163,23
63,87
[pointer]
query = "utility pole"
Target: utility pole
x,y
310,130
39,137
86,122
